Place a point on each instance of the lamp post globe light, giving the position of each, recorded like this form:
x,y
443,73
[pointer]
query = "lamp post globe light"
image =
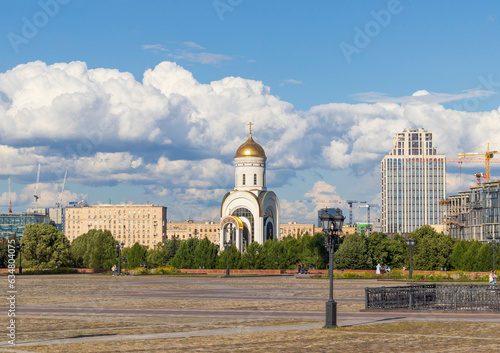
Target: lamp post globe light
x,y
494,246
332,227
411,244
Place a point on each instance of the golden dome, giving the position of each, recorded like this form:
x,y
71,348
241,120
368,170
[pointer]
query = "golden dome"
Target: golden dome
x,y
250,149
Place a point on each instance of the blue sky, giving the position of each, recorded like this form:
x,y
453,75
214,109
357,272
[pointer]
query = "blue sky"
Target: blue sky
x,y
325,118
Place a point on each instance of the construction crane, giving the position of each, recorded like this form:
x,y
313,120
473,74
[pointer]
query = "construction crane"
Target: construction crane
x,y
10,200
60,195
477,157
350,203
35,195
368,206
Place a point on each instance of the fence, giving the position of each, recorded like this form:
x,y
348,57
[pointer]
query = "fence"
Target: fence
x,y
434,297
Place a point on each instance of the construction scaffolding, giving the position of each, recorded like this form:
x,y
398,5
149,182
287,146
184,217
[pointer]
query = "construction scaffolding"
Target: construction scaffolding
x,y
474,214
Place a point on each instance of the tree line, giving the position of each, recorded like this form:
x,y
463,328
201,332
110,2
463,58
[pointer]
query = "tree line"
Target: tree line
x,y
46,247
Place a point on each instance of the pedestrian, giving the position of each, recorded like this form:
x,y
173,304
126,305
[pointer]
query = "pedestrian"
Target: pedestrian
x,y
493,279
378,269
114,270
303,268
298,268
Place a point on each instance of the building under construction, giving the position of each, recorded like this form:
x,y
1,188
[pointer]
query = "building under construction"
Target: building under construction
x,y
474,214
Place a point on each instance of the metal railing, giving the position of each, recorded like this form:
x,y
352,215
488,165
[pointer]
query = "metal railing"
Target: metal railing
x,y
434,297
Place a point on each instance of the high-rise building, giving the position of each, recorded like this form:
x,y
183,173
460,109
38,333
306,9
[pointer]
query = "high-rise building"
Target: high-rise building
x,y
413,183
143,224
15,223
56,215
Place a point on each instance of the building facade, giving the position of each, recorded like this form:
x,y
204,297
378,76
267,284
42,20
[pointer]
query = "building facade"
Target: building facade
x,y
250,212
295,230
413,183
56,215
190,229
15,223
474,214
143,224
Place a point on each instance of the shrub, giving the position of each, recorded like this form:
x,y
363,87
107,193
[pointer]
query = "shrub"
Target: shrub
x,y
49,271
166,270
350,275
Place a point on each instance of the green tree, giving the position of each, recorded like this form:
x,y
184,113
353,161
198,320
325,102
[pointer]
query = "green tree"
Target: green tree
x,y
135,255
170,249
457,255
184,257
316,254
397,251
4,249
205,254
378,248
95,249
291,253
432,249
251,257
272,255
470,257
156,256
45,247
484,258
234,259
352,253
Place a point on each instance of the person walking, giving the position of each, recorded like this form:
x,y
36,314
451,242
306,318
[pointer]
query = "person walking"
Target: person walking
x,y
492,279
114,270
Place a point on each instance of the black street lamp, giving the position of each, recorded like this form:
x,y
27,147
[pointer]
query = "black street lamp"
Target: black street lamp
x,y
119,248
227,246
411,244
332,227
20,248
494,246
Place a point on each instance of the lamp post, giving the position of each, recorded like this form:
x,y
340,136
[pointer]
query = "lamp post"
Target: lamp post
x,y
411,244
20,249
227,246
119,248
332,227
494,246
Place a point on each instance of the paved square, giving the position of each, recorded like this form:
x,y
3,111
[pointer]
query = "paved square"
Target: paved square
x,y
100,313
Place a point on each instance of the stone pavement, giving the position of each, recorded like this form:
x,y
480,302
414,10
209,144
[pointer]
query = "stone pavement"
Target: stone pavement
x,y
117,296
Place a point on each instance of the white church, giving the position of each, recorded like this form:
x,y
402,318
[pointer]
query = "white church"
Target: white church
x,y
250,212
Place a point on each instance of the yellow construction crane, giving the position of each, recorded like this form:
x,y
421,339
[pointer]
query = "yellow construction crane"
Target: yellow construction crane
x,y
477,157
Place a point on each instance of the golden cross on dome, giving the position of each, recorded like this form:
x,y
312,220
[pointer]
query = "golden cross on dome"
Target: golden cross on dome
x,y
250,124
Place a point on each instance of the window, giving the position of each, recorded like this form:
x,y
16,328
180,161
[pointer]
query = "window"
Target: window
x,y
243,179
255,179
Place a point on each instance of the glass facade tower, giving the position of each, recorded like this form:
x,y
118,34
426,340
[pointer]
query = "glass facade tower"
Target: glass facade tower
x,y
413,183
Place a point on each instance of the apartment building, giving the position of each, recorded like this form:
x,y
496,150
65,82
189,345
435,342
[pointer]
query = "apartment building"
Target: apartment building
x,y
190,229
144,224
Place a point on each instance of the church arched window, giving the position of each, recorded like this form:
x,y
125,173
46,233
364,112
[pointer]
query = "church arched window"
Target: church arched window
x,y
244,179
255,179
